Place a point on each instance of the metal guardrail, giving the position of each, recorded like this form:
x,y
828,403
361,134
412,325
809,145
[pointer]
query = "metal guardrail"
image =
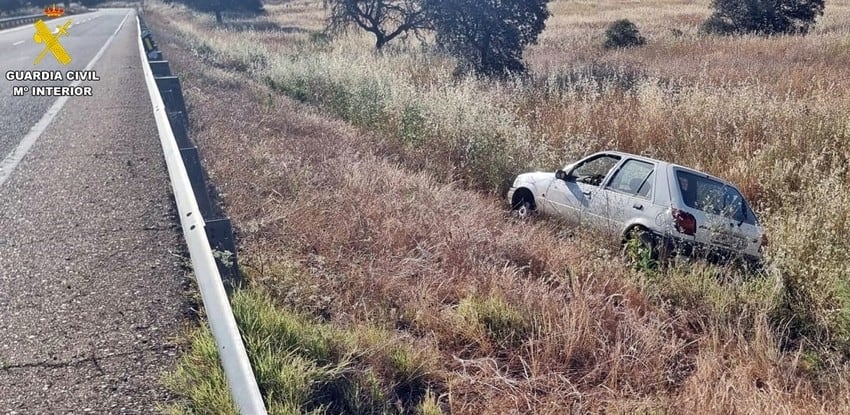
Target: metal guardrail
x,y
20,20
234,358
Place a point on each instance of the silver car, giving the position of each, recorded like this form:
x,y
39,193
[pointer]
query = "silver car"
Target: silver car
x,y
668,208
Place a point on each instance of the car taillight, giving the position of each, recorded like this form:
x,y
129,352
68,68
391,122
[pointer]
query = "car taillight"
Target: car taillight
x,y
684,222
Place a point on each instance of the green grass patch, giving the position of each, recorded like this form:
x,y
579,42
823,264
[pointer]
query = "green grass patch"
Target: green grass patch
x,y
305,366
502,324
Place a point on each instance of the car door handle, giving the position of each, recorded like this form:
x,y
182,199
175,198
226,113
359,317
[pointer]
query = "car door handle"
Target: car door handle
x,y
586,193
638,206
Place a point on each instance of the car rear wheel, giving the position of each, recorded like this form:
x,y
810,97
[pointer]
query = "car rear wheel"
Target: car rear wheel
x,y
641,248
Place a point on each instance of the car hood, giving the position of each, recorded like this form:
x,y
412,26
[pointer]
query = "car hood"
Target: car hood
x,y
534,177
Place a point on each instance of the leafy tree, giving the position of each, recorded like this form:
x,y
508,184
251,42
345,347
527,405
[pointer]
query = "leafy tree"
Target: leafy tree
x,y
219,6
763,16
623,34
488,35
386,19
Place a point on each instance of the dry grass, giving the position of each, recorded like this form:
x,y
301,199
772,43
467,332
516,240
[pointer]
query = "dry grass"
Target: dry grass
x,y
369,192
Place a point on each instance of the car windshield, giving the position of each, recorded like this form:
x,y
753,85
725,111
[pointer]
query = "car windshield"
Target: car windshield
x,y
592,171
714,197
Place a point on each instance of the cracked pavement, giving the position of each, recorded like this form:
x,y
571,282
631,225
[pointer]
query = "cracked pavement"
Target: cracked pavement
x,y
91,279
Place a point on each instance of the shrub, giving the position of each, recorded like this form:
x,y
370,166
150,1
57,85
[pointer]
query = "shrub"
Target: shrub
x,y
623,34
764,17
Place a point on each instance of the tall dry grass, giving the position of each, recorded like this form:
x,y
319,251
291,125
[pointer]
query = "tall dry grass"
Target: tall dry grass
x,y
384,225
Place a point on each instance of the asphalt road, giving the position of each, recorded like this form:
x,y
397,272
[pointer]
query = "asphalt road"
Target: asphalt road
x,y
91,284
86,35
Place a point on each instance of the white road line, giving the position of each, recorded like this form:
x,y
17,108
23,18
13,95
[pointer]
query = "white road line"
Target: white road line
x,y
8,165
17,43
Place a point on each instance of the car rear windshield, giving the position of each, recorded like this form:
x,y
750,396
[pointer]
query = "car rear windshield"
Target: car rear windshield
x,y
713,197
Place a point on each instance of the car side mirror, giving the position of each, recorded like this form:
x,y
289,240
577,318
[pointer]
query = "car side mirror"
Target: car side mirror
x,y
561,175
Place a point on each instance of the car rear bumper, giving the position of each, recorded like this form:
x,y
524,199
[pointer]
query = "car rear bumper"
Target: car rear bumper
x,y
679,246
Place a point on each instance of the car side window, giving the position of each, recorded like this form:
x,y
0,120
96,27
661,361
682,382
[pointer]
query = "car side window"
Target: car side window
x,y
593,171
634,178
646,187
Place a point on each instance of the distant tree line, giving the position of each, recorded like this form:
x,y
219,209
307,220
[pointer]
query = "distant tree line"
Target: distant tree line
x,y
489,36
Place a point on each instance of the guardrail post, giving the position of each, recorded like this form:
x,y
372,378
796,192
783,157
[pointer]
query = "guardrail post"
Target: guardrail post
x,y
220,235
180,135
192,161
172,94
160,68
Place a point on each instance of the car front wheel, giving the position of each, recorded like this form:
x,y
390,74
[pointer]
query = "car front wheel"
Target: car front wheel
x,y
523,209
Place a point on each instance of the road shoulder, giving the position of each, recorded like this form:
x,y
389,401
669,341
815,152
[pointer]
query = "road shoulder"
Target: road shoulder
x,y
91,278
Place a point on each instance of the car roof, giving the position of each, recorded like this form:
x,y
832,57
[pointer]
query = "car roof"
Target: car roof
x,y
665,164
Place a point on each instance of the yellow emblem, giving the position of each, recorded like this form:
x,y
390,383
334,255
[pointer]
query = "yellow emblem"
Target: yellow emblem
x,y
51,41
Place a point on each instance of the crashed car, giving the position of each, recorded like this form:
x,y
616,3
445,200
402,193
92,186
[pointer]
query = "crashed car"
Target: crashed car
x,y
668,209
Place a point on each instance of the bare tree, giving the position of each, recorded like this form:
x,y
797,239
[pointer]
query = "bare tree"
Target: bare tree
x,y
386,19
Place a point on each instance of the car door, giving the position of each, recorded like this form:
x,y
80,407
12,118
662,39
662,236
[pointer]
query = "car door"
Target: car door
x,y
629,193
566,199
579,197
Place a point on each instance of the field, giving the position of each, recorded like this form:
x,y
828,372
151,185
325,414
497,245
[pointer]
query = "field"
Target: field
x,y
385,274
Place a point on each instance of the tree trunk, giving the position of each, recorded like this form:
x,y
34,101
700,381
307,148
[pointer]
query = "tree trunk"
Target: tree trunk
x,y
218,17
380,41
